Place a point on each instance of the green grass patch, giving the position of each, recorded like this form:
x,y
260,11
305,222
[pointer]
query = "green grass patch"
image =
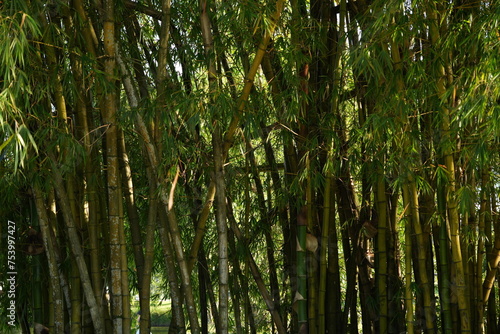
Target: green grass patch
x,y
160,316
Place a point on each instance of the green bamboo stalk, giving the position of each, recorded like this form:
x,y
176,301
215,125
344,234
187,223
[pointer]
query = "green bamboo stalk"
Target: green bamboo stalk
x,y
178,324
444,263
329,230
256,273
489,280
301,294
145,296
83,119
173,227
334,323
118,269
76,300
36,289
235,287
408,266
152,155
413,202
447,146
76,250
492,315
310,265
221,231
250,76
201,227
74,279
264,212
249,319
209,289
325,230
381,262
56,291
132,211
421,256
483,212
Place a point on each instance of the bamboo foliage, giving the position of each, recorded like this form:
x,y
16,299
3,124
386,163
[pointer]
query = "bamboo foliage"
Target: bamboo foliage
x,y
325,166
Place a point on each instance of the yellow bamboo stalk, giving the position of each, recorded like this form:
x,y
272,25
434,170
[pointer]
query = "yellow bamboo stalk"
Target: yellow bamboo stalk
x,y
489,280
449,161
411,193
119,278
250,76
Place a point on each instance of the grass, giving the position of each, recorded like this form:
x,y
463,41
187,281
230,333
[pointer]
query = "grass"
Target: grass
x,y
160,316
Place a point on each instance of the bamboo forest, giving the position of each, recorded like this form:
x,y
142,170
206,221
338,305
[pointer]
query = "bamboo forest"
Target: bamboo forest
x,y
249,166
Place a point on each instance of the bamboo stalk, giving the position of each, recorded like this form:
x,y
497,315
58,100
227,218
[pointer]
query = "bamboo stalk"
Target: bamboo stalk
x,y
325,230
221,219
250,76
483,212
264,212
408,266
178,324
145,296
151,152
381,262
76,249
256,274
57,296
132,210
449,161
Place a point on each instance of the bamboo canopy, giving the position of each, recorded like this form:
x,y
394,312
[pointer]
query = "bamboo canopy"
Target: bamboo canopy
x,y
250,166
